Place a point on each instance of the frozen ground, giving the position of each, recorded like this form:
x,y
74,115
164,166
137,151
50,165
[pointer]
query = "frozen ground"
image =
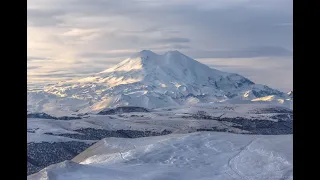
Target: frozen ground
x,y
236,118
52,141
200,155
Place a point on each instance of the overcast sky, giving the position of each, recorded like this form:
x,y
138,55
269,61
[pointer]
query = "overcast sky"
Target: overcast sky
x,y
73,38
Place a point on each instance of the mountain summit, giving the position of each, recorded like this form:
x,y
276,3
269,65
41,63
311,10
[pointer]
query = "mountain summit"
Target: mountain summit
x,y
149,80
169,68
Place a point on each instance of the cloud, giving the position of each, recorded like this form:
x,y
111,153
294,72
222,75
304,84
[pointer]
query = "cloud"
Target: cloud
x,y
175,40
285,24
107,55
249,52
275,72
31,58
41,17
214,24
100,31
33,67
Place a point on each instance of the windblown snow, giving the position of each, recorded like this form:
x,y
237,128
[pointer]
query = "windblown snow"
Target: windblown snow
x,y
52,140
152,81
199,155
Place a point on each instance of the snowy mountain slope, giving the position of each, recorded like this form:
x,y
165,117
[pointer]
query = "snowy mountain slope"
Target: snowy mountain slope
x,y
147,80
199,155
52,140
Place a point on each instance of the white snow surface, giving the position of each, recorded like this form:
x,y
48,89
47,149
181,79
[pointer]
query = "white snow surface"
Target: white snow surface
x,y
201,155
152,81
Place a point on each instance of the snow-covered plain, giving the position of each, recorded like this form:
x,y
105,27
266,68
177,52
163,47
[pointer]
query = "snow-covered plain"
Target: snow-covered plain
x,y
201,155
183,119
52,141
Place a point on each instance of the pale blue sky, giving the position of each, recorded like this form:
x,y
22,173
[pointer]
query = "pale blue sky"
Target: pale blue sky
x,y
73,38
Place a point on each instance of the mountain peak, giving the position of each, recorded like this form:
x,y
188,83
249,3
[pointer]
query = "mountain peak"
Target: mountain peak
x,y
167,58
144,53
149,53
174,53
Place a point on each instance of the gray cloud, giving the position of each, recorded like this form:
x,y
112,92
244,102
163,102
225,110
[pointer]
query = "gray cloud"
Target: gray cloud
x,y
33,67
175,40
179,46
104,32
250,52
230,24
32,58
56,75
42,18
104,55
275,72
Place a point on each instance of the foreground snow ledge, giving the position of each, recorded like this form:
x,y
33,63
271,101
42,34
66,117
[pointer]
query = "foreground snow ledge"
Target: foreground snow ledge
x,y
200,155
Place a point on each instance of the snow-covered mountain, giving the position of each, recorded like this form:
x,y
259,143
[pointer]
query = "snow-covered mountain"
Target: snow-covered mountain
x,y
149,80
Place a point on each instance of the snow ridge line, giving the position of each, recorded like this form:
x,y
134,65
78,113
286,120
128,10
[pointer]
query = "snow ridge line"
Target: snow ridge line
x,y
233,166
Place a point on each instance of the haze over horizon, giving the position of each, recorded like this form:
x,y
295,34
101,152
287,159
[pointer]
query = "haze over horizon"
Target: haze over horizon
x,y
73,39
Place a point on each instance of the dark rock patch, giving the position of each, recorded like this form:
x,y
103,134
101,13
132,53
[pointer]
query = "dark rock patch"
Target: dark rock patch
x,y
97,134
271,110
68,118
125,109
40,115
263,127
41,155
47,116
282,125
212,129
